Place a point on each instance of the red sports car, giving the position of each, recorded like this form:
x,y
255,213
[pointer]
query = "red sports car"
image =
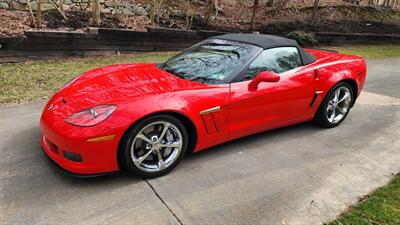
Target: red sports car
x,y
144,118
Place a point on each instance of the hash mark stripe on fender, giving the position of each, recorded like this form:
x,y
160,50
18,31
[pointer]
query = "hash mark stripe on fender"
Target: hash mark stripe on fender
x,y
215,109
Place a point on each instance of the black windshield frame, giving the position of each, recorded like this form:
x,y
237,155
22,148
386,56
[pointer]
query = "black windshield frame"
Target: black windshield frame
x,y
254,51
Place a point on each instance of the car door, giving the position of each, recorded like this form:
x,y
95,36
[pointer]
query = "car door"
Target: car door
x,y
275,104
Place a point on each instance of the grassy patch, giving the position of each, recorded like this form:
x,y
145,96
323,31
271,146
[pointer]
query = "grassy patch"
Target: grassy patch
x,y
370,51
382,207
22,82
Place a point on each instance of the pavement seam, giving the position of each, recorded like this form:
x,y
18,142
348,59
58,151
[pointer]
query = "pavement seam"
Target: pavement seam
x,y
163,202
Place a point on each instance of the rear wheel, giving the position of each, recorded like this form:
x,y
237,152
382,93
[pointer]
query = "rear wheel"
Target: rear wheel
x,y
336,105
155,146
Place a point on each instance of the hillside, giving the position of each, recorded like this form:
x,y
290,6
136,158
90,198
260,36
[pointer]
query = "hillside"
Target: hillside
x,y
228,15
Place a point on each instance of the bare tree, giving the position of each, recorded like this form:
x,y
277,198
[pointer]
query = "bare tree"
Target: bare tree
x,y
96,13
28,2
315,10
39,13
153,12
59,9
255,5
189,15
212,8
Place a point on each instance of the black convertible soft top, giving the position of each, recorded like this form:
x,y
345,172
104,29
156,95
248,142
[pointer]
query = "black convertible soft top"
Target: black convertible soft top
x,y
266,42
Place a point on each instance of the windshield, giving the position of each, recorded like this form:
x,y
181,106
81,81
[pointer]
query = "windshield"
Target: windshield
x,y
209,62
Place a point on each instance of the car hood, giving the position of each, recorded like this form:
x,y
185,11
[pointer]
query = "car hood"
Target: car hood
x,y
118,83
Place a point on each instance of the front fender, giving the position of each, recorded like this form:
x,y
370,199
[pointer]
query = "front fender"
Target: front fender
x,y
190,104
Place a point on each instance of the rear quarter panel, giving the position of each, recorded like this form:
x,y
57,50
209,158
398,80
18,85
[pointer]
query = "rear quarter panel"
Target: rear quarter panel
x,y
332,68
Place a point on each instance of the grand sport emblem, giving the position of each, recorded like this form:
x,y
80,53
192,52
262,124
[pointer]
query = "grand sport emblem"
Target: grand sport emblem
x,y
51,107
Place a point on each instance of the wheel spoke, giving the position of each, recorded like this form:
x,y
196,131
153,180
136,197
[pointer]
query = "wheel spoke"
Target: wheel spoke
x,y
342,110
161,163
144,138
337,94
345,97
140,160
332,117
172,145
166,126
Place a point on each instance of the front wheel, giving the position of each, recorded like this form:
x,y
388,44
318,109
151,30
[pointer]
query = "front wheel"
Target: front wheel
x,y
336,106
155,146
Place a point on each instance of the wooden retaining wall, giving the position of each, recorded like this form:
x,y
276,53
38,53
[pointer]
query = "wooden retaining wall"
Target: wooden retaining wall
x,y
40,45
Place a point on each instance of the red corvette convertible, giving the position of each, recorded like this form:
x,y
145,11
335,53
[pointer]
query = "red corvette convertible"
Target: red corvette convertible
x,y
144,118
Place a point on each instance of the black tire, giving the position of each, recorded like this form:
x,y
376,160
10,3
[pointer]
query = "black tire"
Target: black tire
x,y
321,117
125,154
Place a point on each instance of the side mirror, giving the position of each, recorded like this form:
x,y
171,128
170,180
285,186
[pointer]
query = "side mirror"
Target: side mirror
x,y
263,77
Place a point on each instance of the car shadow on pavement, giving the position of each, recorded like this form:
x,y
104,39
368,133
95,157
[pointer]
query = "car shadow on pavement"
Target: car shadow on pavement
x,y
270,135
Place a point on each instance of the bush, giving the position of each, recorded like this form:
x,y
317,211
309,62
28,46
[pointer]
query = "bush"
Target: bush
x,y
303,38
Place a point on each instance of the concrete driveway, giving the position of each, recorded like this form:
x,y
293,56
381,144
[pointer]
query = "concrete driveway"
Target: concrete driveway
x,y
297,175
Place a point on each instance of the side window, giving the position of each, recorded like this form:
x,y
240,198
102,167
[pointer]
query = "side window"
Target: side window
x,y
276,60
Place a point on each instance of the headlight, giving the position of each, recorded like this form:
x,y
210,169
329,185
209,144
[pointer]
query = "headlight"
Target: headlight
x,y
91,116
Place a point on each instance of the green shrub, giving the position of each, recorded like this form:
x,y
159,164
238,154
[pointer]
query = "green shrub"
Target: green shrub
x,y
303,38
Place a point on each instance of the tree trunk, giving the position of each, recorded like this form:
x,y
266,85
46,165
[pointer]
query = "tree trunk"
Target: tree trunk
x,y
39,13
253,17
211,9
314,13
62,5
96,13
153,12
28,2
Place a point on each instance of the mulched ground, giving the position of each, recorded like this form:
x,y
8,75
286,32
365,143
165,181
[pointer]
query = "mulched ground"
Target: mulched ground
x,y
13,23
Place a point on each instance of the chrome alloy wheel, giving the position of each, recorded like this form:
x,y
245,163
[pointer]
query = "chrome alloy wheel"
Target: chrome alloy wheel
x,y
156,146
338,104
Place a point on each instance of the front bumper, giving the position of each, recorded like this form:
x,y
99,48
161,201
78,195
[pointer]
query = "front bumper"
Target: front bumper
x,y
59,137
75,175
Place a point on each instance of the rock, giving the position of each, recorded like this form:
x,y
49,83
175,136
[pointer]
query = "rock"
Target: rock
x,y
4,5
34,6
109,3
66,7
22,1
47,6
67,2
140,11
74,7
84,6
17,6
105,10
127,12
